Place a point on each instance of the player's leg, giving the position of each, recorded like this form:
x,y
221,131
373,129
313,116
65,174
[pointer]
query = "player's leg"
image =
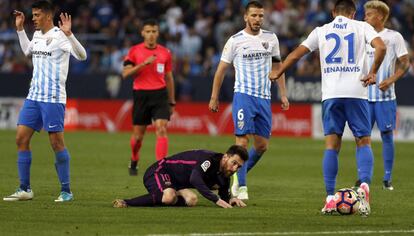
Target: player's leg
x,y
243,112
386,113
53,115
137,137
241,140
333,119
161,145
186,197
141,118
263,126
30,120
160,113
358,117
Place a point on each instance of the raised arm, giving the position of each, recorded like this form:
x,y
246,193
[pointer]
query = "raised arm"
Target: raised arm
x,y
23,39
65,25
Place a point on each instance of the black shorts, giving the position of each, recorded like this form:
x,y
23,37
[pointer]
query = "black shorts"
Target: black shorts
x,y
156,178
150,105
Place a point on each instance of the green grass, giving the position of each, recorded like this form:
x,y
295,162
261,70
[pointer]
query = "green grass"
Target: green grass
x,y
286,190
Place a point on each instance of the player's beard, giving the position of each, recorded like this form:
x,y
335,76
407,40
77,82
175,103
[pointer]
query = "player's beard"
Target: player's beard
x,y
254,28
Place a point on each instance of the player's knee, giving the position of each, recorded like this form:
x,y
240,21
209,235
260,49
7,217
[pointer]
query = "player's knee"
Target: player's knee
x,y
363,141
57,145
261,148
191,200
22,142
161,131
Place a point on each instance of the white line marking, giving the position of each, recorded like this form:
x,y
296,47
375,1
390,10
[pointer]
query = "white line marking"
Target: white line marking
x,y
292,233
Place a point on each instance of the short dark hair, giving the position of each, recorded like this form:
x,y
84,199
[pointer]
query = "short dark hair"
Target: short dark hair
x,y
253,4
44,5
345,6
239,150
151,22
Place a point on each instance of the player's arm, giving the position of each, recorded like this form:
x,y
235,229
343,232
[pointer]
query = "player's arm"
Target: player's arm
x,y
217,82
224,194
281,84
130,68
196,180
169,80
379,54
291,59
402,66
23,39
65,25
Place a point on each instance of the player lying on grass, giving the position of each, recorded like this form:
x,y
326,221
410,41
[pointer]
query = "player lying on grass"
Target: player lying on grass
x,y
169,180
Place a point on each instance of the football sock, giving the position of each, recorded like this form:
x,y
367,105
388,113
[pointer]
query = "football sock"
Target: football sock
x,y
365,161
254,157
135,147
24,160
241,175
387,153
330,170
62,169
161,148
145,200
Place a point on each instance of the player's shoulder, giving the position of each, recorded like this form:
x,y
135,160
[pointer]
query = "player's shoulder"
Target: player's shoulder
x,y
237,35
136,47
163,48
392,33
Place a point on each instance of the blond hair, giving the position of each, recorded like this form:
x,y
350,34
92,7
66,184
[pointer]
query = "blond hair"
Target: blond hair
x,y
380,6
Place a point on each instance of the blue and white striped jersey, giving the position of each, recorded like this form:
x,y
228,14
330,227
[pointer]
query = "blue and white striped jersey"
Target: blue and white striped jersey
x,y
395,48
251,56
50,56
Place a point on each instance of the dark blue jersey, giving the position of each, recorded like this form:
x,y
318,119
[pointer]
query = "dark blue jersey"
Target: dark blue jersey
x,y
199,169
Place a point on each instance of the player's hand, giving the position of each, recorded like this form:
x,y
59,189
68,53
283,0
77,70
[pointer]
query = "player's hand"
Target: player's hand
x,y
385,84
237,202
285,103
150,60
19,19
65,23
213,105
369,79
223,204
274,75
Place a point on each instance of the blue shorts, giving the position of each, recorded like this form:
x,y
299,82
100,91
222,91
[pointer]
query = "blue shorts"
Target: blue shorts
x,y
337,111
251,115
384,113
36,115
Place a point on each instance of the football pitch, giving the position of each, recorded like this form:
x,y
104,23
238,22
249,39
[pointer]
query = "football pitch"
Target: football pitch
x,y
286,191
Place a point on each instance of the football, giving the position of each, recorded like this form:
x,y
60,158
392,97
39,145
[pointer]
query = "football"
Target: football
x,y
347,201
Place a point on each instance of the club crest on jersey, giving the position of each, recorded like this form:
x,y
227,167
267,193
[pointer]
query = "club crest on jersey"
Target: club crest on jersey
x,y
48,41
205,165
240,124
265,45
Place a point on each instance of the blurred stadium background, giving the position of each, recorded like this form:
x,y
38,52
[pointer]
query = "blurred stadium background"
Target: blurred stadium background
x,y
195,31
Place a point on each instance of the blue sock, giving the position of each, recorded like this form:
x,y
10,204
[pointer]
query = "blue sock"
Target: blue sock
x,y
241,175
387,153
365,163
62,169
24,160
254,157
330,170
